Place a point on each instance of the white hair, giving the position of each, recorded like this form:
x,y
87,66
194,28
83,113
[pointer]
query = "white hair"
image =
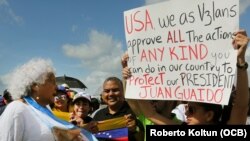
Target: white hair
x,y
34,71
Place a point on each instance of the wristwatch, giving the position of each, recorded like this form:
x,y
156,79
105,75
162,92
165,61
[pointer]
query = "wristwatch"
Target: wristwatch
x,y
242,66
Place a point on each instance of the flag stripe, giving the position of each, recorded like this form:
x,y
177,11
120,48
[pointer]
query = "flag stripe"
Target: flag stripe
x,y
121,133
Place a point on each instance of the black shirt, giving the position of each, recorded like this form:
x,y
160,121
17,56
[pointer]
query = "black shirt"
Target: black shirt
x,y
87,119
104,114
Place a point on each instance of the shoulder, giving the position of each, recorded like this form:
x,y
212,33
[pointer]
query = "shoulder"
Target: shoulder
x,y
15,109
126,109
17,106
101,111
96,111
99,115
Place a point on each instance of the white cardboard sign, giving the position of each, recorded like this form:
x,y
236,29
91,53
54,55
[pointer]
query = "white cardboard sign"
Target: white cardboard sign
x,y
182,50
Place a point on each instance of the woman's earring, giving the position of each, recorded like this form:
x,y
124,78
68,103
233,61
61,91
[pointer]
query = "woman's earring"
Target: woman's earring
x,y
37,98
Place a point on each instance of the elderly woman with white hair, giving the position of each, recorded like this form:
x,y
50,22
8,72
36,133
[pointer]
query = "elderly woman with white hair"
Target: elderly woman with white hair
x,y
33,86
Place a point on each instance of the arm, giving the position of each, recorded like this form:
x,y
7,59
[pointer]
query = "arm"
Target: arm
x,y
142,106
148,110
241,100
133,104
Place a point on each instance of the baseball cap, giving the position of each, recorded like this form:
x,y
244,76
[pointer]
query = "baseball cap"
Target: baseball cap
x,y
61,89
66,86
80,95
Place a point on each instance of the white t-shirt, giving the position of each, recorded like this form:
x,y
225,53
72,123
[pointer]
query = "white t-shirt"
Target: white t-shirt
x,y
179,112
248,120
22,122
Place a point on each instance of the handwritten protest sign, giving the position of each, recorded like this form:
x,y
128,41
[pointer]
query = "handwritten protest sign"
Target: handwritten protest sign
x,y
182,50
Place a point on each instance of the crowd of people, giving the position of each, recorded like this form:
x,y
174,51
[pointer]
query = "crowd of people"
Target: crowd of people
x,y
34,104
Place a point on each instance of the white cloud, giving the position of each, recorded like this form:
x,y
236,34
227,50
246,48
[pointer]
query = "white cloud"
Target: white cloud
x,y
3,2
100,51
95,79
4,80
7,15
2,85
101,55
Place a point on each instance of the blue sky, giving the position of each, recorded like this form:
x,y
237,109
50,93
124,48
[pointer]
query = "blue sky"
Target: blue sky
x,y
84,38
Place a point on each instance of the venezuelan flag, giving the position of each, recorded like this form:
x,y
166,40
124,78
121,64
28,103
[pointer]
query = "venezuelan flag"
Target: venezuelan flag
x,y
120,134
61,115
113,129
113,123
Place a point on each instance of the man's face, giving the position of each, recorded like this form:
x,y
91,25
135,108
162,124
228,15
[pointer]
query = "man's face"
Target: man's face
x,y
112,93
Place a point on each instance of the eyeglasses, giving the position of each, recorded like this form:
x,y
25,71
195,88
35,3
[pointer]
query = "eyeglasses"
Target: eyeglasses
x,y
115,91
63,97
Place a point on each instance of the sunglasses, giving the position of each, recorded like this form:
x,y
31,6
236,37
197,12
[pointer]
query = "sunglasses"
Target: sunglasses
x,y
63,97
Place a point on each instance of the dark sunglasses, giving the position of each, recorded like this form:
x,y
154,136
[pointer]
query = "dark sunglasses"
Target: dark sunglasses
x,y
63,97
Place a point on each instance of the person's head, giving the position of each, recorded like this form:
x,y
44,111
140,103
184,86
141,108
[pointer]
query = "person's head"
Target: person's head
x,y
2,103
7,97
66,86
81,103
203,113
95,104
61,99
35,78
101,100
112,93
159,105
